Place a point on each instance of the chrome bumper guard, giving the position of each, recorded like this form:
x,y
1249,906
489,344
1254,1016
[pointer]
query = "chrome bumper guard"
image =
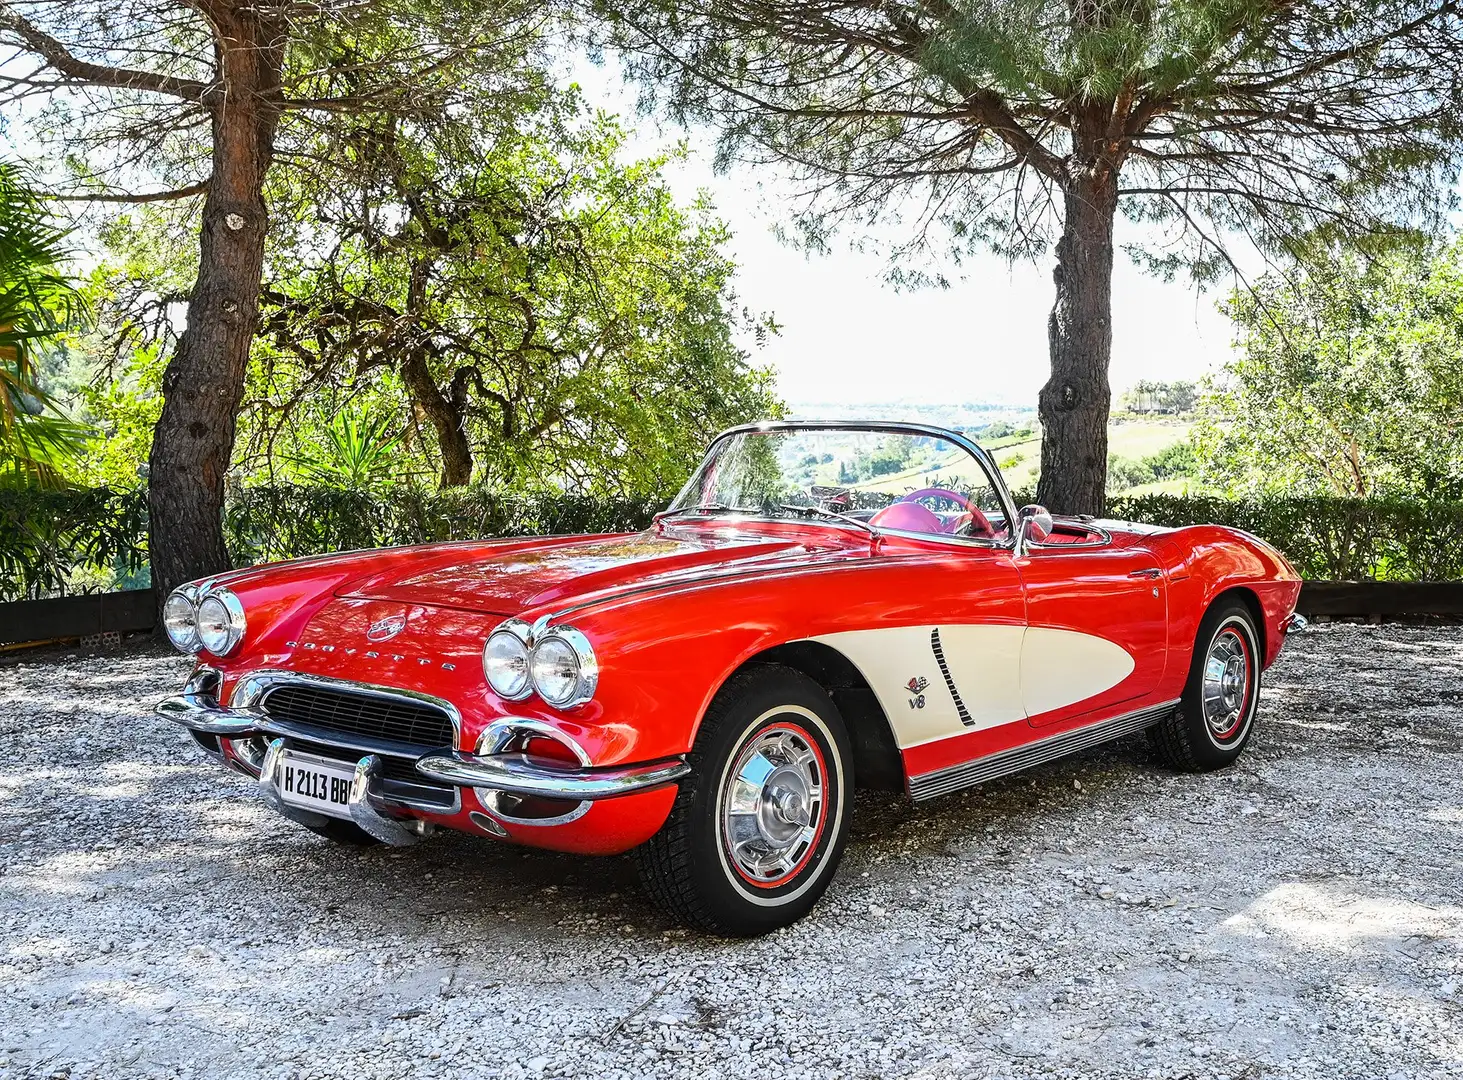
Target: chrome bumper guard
x,y
1294,623
518,774
511,773
368,809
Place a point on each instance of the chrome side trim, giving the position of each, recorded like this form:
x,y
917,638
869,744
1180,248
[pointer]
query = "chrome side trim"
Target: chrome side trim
x,y
969,773
939,651
519,774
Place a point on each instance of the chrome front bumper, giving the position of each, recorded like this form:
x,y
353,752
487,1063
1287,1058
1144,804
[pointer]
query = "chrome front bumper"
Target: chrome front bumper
x,y
1294,623
510,773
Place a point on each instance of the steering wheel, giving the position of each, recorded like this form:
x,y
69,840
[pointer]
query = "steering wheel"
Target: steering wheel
x,y
978,524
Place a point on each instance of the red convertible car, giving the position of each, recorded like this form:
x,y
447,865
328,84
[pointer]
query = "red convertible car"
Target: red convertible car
x,y
824,605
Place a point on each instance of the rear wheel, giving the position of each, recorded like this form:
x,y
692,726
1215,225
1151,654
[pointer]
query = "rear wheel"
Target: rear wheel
x,y
758,827
1217,712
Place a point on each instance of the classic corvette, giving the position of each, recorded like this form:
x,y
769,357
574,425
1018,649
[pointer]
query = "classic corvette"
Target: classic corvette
x,y
824,605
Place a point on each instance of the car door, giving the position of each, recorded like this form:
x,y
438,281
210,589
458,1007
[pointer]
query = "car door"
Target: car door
x,y
1097,629
944,661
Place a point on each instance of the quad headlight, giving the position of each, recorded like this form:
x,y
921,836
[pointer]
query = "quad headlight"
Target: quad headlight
x,y
559,665
563,668
180,618
505,661
220,621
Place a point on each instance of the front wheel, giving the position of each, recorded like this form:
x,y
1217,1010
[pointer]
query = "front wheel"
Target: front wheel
x,y
758,826
1217,712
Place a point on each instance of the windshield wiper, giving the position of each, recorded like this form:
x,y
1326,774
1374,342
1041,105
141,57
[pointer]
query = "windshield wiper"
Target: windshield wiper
x,y
816,509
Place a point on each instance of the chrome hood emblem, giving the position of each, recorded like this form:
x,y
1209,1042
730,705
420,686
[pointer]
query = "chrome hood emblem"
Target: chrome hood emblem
x,y
386,629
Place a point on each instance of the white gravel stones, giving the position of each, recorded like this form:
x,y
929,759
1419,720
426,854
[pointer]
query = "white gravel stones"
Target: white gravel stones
x,y
1299,916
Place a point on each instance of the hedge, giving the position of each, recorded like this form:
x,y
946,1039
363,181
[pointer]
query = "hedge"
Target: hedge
x,y
80,540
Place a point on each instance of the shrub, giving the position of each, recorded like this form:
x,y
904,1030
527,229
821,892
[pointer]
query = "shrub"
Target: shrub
x,y
56,541
1327,538
59,541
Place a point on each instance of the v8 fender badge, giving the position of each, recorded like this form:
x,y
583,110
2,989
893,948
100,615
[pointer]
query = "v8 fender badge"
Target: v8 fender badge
x,y
916,688
386,629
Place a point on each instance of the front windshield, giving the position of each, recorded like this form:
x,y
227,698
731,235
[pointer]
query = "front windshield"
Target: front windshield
x,y
890,481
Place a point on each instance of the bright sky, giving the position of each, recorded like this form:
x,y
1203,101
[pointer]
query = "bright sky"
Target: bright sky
x,y
849,338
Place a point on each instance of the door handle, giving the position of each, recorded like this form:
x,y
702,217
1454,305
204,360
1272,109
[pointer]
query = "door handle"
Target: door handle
x,y
1151,574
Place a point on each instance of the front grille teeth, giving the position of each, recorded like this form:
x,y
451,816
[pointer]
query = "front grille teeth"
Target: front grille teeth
x,y
394,719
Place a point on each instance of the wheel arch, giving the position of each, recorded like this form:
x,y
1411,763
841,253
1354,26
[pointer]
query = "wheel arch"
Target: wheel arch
x,y
1251,601
877,760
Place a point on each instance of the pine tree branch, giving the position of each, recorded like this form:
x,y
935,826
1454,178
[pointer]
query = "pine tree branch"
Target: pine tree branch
x,y
82,72
188,192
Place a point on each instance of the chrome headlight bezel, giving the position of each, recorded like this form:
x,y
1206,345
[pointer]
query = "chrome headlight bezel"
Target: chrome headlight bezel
x,y
232,621
517,631
188,642
587,667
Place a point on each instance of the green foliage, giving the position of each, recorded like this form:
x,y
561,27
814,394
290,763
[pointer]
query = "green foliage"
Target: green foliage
x,y
1328,538
1349,381
282,521
1148,396
57,541
38,444
357,452
1176,462
515,283
962,125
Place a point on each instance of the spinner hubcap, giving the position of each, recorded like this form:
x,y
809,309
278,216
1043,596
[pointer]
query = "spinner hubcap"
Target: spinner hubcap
x,y
773,805
1226,683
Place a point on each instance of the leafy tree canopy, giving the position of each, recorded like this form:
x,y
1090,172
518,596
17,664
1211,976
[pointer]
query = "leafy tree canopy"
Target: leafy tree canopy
x,y
514,303
1022,125
1349,381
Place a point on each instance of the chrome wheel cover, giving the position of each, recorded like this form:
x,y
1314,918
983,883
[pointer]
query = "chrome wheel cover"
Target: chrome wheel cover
x,y
773,805
1226,689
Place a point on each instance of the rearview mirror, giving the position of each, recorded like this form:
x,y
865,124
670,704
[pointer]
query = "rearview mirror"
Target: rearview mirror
x,y
1034,526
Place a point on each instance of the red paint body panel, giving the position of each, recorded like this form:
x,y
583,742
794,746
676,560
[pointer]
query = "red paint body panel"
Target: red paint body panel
x,y
674,611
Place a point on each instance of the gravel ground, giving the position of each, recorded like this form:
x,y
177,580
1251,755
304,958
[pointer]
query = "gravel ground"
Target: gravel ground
x,y
1296,916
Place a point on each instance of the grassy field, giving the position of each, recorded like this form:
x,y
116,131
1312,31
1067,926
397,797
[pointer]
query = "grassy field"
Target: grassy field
x,y
1129,439
1018,457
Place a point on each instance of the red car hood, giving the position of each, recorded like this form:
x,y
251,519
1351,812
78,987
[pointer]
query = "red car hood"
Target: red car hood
x,y
508,582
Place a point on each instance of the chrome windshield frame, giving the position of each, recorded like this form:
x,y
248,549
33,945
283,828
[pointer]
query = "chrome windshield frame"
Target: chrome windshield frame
x,y
885,427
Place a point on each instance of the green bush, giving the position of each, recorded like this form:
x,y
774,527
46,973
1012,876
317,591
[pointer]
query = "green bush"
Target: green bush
x,y
1328,539
71,540
284,521
67,541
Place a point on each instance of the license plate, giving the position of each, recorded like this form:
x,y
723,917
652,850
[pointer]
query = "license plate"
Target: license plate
x,y
316,783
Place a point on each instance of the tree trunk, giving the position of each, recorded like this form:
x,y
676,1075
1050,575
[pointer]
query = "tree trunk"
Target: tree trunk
x,y
448,420
204,381
1074,403
447,414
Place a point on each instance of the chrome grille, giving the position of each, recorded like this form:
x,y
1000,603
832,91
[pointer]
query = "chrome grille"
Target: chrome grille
x,y
352,713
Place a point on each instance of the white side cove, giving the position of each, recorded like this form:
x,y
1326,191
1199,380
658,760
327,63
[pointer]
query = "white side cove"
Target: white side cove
x,y
938,681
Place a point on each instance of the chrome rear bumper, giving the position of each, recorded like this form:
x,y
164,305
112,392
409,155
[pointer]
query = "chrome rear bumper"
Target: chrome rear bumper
x,y
1293,623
